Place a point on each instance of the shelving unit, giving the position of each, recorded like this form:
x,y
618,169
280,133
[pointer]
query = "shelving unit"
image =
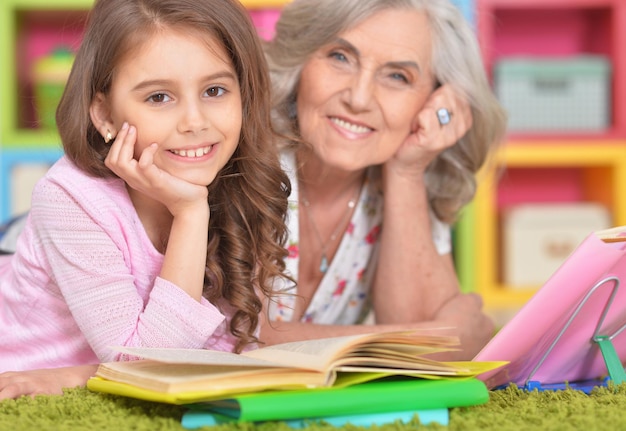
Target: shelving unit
x,y
30,29
562,166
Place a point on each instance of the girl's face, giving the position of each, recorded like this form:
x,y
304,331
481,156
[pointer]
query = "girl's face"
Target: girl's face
x,y
358,96
181,92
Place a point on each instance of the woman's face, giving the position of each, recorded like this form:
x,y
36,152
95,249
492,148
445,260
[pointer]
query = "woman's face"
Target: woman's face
x,y
358,96
181,92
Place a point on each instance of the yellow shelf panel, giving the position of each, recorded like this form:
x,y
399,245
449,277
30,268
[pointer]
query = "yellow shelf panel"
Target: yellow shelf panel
x,y
551,154
501,296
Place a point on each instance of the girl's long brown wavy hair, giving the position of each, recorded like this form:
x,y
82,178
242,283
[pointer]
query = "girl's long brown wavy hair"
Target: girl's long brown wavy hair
x,y
248,199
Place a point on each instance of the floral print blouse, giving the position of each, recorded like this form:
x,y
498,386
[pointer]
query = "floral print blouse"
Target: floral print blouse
x,y
343,296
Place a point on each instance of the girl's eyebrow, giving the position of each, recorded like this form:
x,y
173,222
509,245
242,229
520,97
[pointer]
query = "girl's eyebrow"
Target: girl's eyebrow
x,y
165,82
408,64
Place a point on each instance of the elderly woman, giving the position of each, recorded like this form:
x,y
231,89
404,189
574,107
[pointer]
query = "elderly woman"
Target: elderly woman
x,y
387,116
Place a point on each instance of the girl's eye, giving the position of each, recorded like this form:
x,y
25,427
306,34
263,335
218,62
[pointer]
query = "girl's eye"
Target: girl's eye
x,y
215,91
158,98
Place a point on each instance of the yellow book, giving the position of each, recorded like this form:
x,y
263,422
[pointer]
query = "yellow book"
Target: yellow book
x,y
182,376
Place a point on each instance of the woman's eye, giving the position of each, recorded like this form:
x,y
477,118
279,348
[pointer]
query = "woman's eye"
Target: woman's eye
x,y
158,98
215,91
399,77
338,56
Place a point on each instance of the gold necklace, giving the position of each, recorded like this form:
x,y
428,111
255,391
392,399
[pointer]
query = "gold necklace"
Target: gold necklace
x,y
333,235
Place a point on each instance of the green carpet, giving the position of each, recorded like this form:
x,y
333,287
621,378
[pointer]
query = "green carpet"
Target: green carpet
x,y
510,409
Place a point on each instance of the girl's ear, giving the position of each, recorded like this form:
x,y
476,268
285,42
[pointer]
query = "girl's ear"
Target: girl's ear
x,y
100,114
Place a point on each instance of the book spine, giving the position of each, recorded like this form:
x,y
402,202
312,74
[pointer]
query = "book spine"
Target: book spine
x,y
403,394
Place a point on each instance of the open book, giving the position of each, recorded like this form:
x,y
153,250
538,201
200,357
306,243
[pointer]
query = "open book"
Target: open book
x,y
572,329
187,375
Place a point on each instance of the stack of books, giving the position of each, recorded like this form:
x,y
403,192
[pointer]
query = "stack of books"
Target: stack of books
x,y
362,380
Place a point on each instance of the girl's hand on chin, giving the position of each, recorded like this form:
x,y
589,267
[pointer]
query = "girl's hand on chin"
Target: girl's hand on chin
x,y
428,138
147,178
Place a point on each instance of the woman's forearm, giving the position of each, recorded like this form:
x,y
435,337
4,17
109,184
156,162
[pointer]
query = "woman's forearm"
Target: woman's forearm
x,y
412,279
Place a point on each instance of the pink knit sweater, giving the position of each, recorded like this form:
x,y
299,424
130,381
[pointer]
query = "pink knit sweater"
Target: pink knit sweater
x,y
85,277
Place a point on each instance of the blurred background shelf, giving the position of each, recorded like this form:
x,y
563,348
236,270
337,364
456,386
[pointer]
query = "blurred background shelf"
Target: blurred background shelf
x,y
544,168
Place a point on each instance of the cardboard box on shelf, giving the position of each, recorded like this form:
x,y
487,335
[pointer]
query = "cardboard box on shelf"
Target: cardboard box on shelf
x,y
537,238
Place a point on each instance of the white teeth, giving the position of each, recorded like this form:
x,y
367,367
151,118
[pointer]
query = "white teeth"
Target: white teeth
x,y
199,152
350,127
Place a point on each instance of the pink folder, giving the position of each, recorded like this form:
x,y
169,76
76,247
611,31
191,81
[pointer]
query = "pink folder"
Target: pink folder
x,y
552,338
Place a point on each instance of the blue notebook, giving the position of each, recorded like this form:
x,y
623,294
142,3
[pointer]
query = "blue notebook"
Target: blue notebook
x,y
193,419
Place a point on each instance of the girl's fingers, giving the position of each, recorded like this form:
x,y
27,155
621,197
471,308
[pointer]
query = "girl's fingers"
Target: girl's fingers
x,y
146,165
121,152
127,145
114,149
147,156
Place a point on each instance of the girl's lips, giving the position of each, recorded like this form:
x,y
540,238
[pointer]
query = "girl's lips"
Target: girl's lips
x,y
193,153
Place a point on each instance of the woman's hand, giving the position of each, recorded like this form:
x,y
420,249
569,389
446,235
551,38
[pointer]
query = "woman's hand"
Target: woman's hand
x,y
146,177
464,313
428,138
14,384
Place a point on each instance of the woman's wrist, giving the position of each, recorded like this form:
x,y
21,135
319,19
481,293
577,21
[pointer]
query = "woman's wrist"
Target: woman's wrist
x,y
396,176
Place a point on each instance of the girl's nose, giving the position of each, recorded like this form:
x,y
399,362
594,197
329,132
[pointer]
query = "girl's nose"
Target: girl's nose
x,y
192,118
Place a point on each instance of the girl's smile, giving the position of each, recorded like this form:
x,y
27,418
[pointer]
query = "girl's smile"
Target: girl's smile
x,y
193,154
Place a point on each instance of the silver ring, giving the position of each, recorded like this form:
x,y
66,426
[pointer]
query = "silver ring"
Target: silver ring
x,y
444,116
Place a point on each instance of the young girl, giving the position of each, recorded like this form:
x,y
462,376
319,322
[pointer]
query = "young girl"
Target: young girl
x,y
164,221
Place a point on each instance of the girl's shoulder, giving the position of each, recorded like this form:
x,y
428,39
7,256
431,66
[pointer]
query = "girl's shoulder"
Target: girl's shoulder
x,y
64,170
65,178
67,175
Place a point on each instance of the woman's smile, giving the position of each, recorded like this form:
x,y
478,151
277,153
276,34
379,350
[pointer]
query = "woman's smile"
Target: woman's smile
x,y
350,126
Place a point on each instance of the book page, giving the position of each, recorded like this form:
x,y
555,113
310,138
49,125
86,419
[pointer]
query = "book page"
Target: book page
x,y
217,379
323,354
615,234
312,354
319,355
195,356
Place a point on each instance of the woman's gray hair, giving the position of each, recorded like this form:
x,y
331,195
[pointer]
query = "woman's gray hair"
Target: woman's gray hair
x,y
305,26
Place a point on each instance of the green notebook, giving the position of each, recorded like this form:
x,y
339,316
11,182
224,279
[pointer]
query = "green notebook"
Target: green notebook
x,y
391,394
